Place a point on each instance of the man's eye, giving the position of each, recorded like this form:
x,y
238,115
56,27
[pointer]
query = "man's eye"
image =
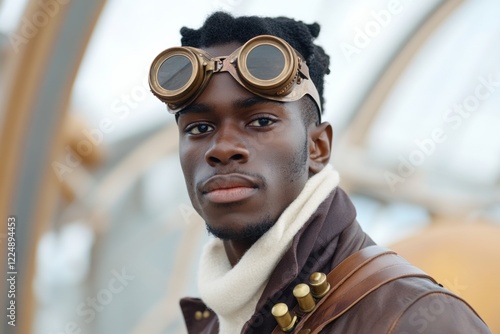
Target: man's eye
x,y
198,129
261,122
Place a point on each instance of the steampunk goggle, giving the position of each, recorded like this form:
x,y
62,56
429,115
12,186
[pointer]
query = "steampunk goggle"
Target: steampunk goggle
x,y
266,66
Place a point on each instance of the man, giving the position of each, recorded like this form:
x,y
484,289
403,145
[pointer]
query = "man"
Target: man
x,y
255,155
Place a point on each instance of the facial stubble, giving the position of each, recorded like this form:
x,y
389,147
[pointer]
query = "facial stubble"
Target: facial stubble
x,y
252,231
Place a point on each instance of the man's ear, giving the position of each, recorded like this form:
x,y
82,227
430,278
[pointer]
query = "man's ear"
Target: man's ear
x,y
320,146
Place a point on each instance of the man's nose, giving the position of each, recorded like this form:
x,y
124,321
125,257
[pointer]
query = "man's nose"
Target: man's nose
x,y
228,146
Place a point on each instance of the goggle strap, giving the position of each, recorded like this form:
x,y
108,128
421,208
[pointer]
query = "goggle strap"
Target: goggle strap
x,y
304,70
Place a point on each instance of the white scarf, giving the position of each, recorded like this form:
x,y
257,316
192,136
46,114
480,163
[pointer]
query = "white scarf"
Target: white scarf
x,y
233,292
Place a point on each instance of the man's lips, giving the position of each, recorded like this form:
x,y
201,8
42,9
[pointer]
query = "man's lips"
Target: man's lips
x,y
229,188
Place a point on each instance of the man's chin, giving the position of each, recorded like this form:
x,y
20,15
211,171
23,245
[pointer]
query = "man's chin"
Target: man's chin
x,y
250,232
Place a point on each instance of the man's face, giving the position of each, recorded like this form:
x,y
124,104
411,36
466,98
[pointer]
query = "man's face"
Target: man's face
x,y
244,158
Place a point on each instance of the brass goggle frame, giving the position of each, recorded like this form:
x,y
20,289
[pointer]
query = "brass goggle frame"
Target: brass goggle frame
x,y
291,84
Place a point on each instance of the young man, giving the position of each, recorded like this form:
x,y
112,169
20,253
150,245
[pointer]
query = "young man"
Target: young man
x,y
247,96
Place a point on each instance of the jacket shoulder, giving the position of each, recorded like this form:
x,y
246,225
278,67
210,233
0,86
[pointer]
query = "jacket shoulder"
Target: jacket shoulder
x,y
439,312
409,305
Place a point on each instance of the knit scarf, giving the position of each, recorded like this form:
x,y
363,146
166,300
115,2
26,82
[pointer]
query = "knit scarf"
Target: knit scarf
x,y
233,292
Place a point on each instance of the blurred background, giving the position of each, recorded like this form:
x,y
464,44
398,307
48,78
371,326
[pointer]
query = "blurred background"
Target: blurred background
x,y
106,238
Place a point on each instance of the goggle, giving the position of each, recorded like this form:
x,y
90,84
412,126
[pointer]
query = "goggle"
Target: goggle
x,y
267,66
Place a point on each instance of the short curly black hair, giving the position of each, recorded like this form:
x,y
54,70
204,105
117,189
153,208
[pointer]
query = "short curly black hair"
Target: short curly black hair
x,y
221,27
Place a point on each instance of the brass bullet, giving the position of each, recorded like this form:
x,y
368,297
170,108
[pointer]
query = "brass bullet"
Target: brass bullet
x,y
283,317
319,284
302,293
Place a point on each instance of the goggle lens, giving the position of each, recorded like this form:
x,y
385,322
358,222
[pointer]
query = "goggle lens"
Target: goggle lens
x,y
265,62
175,72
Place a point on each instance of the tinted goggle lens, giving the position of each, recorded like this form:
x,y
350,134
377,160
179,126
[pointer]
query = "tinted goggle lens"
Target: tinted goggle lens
x,y
175,72
265,62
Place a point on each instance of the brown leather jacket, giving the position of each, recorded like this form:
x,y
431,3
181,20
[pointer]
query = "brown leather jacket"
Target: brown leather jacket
x,y
406,305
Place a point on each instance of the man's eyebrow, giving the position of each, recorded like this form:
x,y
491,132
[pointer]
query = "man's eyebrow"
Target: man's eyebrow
x,y
252,101
195,109
244,103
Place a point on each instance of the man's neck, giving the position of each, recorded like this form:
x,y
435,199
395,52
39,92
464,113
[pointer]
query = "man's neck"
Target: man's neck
x,y
235,249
